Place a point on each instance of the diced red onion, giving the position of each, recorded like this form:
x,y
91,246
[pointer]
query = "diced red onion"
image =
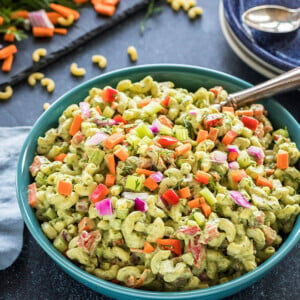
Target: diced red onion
x,y
234,165
140,205
156,126
188,178
218,156
85,109
108,122
104,207
233,148
96,139
133,196
40,19
157,176
193,112
239,199
257,152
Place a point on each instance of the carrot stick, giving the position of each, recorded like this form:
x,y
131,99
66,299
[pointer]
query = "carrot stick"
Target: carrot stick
x,y
121,153
148,247
229,137
1,20
247,112
80,1
165,121
42,32
113,140
183,149
104,9
202,177
32,197
232,156
7,51
282,159
62,31
194,203
64,11
76,124
53,17
184,192
151,184
110,158
144,171
60,157
213,133
206,209
110,180
7,63
20,14
64,188
262,181
229,109
202,135
9,37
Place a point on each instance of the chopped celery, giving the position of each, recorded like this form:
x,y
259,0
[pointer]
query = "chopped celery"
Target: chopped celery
x,y
181,134
134,183
165,130
60,244
96,157
199,218
142,130
244,159
108,112
282,132
209,196
133,140
50,213
152,108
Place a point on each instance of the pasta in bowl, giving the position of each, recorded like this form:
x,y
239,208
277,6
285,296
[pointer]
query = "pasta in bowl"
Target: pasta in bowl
x,y
146,185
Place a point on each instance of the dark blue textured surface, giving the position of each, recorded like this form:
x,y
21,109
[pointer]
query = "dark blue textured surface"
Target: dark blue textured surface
x,y
280,50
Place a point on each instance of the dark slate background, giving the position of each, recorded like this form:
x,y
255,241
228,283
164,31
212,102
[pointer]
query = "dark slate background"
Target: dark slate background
x,y
169,38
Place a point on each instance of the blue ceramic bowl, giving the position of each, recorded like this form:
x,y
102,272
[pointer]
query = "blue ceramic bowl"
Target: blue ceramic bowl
x,y
279,50
183,76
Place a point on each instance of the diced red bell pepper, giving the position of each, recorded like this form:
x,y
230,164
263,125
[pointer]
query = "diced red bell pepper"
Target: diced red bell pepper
x,y
216,90
99,193
170,244
166,140
32,198
212,120
165,102
109,94
171,197
119,118
250,122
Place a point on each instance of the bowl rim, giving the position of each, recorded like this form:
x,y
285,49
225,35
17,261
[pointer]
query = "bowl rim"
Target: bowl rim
x,y
91,280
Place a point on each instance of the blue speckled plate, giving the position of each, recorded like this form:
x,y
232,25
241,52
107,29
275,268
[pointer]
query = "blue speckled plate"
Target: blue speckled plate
x,y
281,50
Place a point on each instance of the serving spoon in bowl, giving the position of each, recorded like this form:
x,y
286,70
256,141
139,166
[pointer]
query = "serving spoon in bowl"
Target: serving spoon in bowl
x,y
272,18
285,82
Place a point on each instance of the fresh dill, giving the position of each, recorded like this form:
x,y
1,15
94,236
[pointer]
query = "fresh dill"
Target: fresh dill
x,y
151,10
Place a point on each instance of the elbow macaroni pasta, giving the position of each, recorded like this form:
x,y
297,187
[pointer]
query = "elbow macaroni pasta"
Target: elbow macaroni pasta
x,y
49,84
7,93
100,60
66,21
32,78
77,71
200,238
38,53
132,52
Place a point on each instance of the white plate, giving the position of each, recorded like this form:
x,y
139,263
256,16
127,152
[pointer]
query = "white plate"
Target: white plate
x,y
242,52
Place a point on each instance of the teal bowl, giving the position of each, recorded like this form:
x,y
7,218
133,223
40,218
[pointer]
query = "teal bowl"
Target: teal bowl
x,y
189,77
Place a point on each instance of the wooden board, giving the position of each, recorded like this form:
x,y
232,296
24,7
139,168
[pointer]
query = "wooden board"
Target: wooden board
x,y
89,25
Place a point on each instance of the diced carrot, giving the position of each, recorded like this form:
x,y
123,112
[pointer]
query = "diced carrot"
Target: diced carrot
x,y
183,149
121,153
60,157
1,20
165,121
32,197
194,203
7,63
229,109
53,17
202,136
110,180
262,181
237,175
9,37
62,31
148,248
213,133
150,183
144,102
80,1
119,118
144,171
282,159
98,109
76,125
104,9
170,244
64,188
86,224
110,2
248,112
114,140
7,51
165,101
206,209
42,32
64,11
110,158
20,14
184,192
229,137
269,171
232,156
202,177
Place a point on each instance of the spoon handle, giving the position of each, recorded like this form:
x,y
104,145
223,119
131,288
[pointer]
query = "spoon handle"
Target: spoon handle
x,y
282,83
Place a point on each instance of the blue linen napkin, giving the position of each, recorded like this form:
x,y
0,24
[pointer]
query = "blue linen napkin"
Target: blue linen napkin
x,y
11,222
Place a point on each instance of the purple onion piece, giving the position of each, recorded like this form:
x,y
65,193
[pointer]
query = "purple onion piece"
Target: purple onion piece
x,y
157,176
193,112
40,19
85,109
239,199
140,205
234,165
96,139
256,152
156,126
218,156
108,122
133,196
233,148
104,207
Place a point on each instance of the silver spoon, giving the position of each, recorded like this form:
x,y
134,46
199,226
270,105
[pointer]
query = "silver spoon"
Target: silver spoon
x,y
272,18
282,83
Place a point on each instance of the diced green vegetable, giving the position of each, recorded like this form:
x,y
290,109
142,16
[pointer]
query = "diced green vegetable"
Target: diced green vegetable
x,y
134,183
108,112
152,108
96,157
181,134
209,196
142,130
